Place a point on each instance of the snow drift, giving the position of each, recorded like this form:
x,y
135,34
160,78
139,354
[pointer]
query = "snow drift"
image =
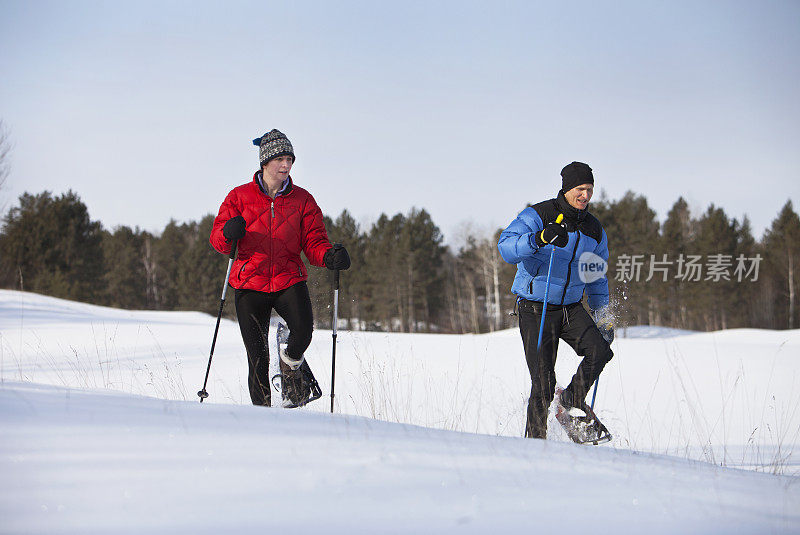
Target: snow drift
x,y
118,443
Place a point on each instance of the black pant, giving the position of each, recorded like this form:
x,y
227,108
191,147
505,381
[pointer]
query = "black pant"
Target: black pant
x,y
574,325
253,310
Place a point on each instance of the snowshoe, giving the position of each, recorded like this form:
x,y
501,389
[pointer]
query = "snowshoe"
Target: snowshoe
x,y
298,387
580,422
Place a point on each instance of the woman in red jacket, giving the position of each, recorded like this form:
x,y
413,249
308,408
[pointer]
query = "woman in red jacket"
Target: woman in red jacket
x,y
273,220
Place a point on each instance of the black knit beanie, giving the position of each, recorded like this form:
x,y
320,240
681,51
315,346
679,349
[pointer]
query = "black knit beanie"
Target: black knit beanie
x,y
574,175
273,144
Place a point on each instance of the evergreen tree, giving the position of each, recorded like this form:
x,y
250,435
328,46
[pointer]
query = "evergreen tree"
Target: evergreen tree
x,y
150,264
716,242
383,263
677,233
782,250
320,288
421,244
633,236
746,294
126,275
345,230
51,246
165,257
201,272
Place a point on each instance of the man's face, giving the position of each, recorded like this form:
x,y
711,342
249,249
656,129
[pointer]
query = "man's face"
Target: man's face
x,y
579,196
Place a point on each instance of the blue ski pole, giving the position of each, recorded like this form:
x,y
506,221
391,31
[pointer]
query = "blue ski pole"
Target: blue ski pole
x,y
547,288
594,395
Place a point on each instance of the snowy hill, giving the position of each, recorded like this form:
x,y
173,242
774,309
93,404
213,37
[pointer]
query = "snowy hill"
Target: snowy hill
x,y
78,461
92,454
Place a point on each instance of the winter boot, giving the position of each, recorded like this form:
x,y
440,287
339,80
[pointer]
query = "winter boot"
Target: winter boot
x,y
567,400
295,390
292,363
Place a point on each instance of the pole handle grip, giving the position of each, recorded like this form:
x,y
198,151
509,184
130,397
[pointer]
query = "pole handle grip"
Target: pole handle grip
x,y
233,249
336,247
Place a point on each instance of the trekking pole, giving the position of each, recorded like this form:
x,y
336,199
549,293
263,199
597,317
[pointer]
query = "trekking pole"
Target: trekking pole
x,y
547,288
594,396
336,246
203,394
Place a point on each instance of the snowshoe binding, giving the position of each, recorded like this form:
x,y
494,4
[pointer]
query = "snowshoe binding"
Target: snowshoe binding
x,y
298,386
579,421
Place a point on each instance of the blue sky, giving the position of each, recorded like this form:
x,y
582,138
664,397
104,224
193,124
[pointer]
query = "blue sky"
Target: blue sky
x,y
467,109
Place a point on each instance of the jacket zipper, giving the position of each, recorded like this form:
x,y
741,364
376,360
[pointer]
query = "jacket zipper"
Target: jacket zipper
x,y
569,267
271,247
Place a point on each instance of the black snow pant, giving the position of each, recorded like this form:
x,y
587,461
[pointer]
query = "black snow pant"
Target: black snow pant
x,y
253,309
573,324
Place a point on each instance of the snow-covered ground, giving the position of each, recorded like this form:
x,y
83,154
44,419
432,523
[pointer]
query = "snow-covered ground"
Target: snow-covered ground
x,y
102,432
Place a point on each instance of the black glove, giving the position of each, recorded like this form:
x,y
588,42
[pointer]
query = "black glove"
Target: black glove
x,y
234,228
553,233
605,323
607,331
337,258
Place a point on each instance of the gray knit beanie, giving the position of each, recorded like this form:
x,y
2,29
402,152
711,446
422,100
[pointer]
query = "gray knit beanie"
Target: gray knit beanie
x,y
273,144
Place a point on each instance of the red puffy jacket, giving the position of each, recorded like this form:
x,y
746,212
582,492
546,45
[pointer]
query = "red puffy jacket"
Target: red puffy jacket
x,y
268,257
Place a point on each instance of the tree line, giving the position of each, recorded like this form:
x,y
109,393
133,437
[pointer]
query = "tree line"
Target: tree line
x,y
702,272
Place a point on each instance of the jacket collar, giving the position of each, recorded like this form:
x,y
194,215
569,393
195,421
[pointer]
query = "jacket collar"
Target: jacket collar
x,y
258,179
570,212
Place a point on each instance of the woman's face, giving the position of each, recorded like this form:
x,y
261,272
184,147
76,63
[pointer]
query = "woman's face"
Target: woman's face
x,y
277,169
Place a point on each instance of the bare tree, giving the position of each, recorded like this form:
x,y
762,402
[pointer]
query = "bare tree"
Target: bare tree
x,y
490,261
5,154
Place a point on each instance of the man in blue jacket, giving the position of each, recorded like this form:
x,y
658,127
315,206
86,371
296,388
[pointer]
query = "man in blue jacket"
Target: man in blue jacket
x,y
580,246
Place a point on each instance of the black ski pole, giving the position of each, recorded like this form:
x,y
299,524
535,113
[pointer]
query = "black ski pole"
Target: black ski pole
x,y
203,394
336,246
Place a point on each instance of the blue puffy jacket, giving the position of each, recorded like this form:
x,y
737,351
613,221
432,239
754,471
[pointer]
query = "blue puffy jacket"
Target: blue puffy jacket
x,y
586,235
